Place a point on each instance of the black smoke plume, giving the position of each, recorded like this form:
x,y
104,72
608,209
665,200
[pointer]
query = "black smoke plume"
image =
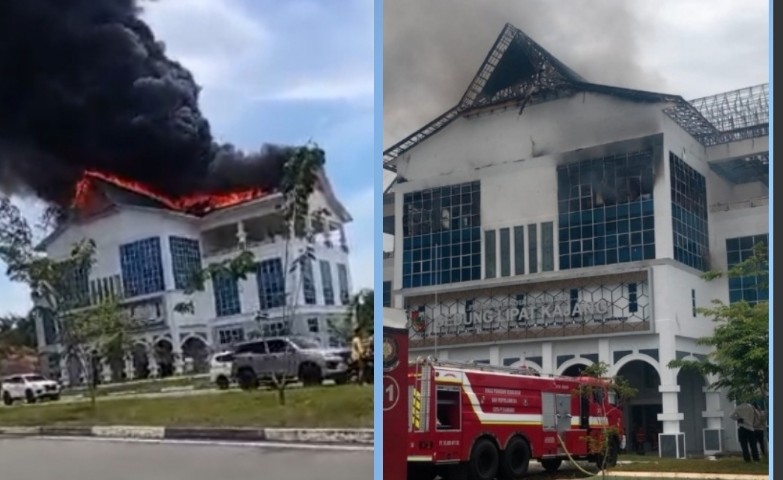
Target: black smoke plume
x,y
84,85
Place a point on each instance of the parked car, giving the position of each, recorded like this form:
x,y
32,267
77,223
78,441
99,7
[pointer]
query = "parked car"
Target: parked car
x,y
290,358
30,387
220,369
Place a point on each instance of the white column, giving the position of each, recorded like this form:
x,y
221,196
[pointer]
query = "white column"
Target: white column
x,y
130,373
65,375
343,239
494,355
241,234
604,352
105,371
713,414
153,363
547,358
671,416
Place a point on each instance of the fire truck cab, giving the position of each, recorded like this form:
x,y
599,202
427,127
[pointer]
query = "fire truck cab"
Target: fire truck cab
x,y
482,422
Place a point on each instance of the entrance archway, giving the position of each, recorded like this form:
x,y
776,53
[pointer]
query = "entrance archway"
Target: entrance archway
x,y
196,349
116,359
691,401
141,362
164,353
641,411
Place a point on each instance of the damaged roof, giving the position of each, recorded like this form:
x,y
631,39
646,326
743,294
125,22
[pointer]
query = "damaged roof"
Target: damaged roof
x,y
518,69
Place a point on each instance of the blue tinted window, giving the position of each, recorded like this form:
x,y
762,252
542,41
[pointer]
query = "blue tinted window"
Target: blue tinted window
x,y
185,260
77,287
751,288
689,214
442,235
326,280
387,294
342,277
605,211
226,293
308,282
142,268
271,284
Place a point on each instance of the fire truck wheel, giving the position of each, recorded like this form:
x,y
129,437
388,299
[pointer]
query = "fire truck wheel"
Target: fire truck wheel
x,y
551,464
484,461
611,455
516,459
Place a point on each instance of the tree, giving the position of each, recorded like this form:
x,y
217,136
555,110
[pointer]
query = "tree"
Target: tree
x,y
299,224
739,356
606,448
360,314
83,330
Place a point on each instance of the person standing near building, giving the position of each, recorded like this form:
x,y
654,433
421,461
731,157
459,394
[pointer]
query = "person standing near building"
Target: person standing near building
x,y
358,354
745,416
759,428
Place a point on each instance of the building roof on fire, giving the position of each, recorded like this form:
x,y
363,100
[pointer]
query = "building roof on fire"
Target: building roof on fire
x,y
520,71
106,197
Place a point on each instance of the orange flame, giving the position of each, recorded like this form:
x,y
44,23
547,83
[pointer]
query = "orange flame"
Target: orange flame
x,y
200,202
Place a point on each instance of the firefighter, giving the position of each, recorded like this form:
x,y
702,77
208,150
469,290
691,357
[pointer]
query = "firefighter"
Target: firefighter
x,y
358,354
640,437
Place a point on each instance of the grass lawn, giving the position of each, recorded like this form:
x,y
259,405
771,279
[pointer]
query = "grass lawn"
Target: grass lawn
x,y
347,406
647,463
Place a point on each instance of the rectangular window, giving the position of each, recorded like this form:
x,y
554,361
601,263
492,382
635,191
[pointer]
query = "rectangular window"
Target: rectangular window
x,y
489,254
229,336
308,282
605,210
326,280
693,302
633,306
505,252
750,288
689,214
342,277
441,235
77,285
388,225
271,284
185,260
519,250
547,247
387,294
532,240
312,325
142,267
226,292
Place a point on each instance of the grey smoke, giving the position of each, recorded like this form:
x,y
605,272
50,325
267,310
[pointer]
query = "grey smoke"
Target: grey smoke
x,y
433,48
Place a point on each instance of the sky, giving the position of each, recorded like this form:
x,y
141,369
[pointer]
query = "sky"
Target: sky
x,y
276,72
691,48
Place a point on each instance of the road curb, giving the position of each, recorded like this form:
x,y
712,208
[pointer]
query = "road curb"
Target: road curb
x,y
321,435
359,436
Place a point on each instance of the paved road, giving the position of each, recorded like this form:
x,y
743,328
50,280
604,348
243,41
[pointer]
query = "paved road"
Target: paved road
x,y
36,459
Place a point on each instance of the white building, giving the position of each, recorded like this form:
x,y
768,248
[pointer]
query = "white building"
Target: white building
x,y
552,222
147,251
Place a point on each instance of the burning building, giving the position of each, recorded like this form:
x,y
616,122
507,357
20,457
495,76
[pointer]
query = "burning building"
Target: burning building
x,y
114,139
551,222
149,245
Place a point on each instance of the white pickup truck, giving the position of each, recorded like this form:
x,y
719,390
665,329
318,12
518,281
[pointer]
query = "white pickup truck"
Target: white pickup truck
x,y
30,387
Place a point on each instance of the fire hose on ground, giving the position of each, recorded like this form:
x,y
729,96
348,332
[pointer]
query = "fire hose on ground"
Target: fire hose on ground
x,y
579,467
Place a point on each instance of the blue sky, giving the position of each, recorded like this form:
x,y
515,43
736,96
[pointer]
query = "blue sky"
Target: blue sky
x,y
276,72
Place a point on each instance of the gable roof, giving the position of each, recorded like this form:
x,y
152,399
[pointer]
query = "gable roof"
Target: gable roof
x,y
517,69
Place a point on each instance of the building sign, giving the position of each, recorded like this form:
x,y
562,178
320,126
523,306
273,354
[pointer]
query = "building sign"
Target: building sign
x,y
612,303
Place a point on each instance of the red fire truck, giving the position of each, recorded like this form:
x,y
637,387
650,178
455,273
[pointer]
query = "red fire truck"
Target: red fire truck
x,y
482,422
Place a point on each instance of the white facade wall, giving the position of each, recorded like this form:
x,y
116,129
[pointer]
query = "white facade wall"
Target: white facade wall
x,y
515,159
